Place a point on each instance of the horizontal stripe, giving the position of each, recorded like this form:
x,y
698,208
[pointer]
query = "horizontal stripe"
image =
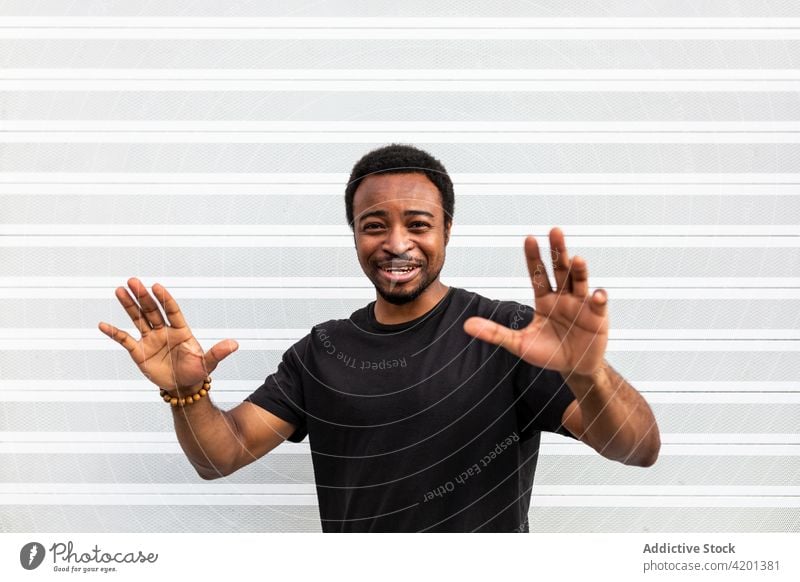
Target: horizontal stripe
x,y
296,448
339,179
651,387
396,106
399,28
216,488
196,287
413,54
521,294
429,137
430,132
122,32
538,499
322,127
156,499
57,334
395,22
305,494
745,450
384,8
291,469
543,188
305,236
560,158
102,343
358,84
492,230
234,392
650,521
699,444
254,366
156,416
394,75
377,33
759,185
235,397
643,522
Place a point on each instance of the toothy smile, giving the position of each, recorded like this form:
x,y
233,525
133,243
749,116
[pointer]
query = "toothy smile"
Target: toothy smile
x,y
397,272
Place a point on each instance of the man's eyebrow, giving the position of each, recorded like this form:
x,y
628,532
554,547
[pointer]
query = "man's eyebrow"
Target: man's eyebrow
x,y
383,213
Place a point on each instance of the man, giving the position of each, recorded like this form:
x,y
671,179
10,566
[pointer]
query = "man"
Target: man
x,y
424,408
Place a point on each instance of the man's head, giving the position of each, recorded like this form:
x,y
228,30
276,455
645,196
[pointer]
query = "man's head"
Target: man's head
x,y
395,159
399,203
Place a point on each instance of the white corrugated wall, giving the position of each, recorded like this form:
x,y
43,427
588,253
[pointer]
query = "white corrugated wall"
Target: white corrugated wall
x,y
206,146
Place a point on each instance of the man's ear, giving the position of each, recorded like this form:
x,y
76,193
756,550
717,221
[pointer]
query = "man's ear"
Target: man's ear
x,y
447,226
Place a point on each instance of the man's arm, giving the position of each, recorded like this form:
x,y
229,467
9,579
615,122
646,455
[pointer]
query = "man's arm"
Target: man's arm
x,y
612,417
219,442
569,334
216,442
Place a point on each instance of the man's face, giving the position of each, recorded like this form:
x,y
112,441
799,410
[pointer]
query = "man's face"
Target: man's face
x,y
400,234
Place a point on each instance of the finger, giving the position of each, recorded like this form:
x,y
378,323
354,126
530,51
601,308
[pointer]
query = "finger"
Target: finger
x,y
560,258
579,274
174,315
539,278
599,302
119,336
149,306
219,352
133,310
494,333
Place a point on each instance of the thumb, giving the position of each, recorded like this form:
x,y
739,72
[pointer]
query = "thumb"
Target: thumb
x,y
492,332
219,352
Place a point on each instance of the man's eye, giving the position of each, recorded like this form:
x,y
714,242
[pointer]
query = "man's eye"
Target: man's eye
x,y
419,224
371,224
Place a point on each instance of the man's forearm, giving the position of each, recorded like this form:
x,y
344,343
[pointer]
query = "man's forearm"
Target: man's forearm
x,y
618,423
208,436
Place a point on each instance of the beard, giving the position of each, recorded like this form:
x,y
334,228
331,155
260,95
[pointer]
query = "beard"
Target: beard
x,y
396,295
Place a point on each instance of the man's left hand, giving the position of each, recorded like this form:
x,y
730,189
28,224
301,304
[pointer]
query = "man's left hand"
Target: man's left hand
x,y
569,329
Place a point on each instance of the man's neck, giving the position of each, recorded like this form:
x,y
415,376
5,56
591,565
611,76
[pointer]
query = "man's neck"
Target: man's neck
x,y
390,314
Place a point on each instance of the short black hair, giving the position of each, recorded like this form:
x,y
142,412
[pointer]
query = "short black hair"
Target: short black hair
x,y
401,159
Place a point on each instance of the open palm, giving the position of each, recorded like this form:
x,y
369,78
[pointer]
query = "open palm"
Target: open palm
x,y
569,329
168,355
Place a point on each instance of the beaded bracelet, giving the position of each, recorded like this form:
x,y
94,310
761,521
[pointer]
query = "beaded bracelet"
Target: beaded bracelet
x,y
191,399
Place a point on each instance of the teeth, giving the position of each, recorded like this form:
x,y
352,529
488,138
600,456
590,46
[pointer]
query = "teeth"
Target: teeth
x,y
404,270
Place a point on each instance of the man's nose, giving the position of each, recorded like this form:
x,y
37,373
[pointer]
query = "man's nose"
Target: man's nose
x,y
397,241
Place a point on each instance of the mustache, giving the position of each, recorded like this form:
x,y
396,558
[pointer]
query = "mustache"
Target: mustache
x,y
405,258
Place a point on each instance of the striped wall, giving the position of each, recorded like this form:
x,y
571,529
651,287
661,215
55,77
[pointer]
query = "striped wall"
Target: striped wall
x,y
206,147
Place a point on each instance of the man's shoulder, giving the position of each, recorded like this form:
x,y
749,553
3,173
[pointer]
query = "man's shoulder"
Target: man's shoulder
x,y
325,330
505,311
331,325
319,338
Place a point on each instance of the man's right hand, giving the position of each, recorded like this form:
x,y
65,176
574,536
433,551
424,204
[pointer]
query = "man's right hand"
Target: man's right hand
x,y
167,354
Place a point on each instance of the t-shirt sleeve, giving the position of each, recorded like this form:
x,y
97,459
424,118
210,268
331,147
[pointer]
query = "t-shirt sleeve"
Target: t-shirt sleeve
x,y
282,391
543,394
544,398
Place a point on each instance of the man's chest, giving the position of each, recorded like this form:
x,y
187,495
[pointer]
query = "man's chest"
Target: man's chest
x,y
394,393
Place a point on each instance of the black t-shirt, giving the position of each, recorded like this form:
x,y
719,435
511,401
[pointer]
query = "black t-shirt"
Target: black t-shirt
x,y
418,426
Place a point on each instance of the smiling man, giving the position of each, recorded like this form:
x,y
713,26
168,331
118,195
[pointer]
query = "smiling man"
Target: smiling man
x,y
403,263
424,409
